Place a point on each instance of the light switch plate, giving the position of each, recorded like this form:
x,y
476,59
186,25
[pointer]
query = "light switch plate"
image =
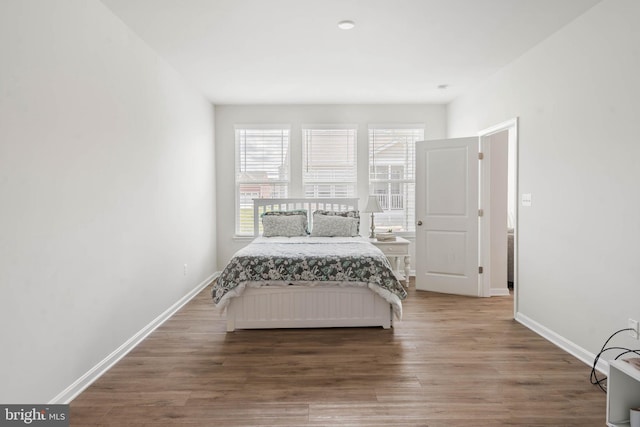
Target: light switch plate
x,y
526,199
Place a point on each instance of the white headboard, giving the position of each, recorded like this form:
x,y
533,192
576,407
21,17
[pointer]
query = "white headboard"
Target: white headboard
x,y
263,205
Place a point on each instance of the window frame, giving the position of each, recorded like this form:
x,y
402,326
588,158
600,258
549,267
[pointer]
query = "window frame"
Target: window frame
x,y
351,185
406,181
285,129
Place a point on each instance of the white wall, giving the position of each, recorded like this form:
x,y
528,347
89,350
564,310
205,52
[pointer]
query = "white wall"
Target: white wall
x,y
107,188
577,96
433,116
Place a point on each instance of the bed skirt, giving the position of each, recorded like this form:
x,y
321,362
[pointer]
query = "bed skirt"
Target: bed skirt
x,y
308,307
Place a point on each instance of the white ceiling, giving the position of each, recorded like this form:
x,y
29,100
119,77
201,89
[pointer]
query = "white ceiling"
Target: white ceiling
x,y
291,51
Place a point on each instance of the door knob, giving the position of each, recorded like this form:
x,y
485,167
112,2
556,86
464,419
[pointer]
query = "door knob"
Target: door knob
x,y
419,222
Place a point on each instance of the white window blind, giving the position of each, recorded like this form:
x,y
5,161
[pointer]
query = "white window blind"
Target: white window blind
x,y
262,169
329,161
392,174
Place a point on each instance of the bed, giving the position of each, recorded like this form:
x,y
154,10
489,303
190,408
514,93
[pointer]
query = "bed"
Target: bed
x,y
296,274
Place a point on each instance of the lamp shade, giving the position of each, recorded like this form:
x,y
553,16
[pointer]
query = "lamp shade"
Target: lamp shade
x,y
373,205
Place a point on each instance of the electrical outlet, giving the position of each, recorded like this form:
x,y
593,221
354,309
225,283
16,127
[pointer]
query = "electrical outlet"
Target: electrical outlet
x,y
185,269
633,324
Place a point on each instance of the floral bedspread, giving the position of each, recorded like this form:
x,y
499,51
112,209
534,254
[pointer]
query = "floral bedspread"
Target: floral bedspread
x,y
310,261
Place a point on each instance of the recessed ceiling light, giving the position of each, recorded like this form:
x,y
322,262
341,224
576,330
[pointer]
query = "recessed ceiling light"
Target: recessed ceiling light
x,y
346,25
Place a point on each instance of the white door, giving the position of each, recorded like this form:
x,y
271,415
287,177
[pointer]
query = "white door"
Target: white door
x,y
447,216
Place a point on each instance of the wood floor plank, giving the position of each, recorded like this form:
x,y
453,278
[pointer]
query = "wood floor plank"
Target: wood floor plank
x,y
452,361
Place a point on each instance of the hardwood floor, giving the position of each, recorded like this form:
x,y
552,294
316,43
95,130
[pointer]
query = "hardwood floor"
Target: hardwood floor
x,y
452,361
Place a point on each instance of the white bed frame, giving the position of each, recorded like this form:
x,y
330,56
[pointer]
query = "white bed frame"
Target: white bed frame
x,y
306,306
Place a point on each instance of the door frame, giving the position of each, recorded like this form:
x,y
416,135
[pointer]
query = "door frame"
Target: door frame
x,y
485,227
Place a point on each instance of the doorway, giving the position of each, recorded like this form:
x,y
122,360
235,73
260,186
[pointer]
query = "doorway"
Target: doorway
x,y
498,197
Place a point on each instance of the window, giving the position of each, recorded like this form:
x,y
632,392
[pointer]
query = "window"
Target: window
x,y
392,174
329,161
262,169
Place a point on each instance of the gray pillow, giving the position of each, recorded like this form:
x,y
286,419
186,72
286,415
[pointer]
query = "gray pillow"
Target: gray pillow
x,y
348,214
301,212
283,225
334,226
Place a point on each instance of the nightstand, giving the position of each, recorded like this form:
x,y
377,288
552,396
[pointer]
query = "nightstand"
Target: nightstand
x,y
394,250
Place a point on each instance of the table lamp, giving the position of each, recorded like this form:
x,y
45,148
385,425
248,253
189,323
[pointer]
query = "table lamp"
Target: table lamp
x,y
373,206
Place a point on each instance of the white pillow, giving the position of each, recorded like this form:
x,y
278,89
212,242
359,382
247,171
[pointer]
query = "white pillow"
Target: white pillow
x,y
284,225
334,226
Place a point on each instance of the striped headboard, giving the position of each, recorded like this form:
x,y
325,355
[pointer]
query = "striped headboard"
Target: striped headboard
x,y
310,205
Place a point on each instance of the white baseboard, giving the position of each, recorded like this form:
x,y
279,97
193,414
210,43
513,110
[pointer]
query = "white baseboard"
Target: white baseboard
x,y
500,292
568,346
78,386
